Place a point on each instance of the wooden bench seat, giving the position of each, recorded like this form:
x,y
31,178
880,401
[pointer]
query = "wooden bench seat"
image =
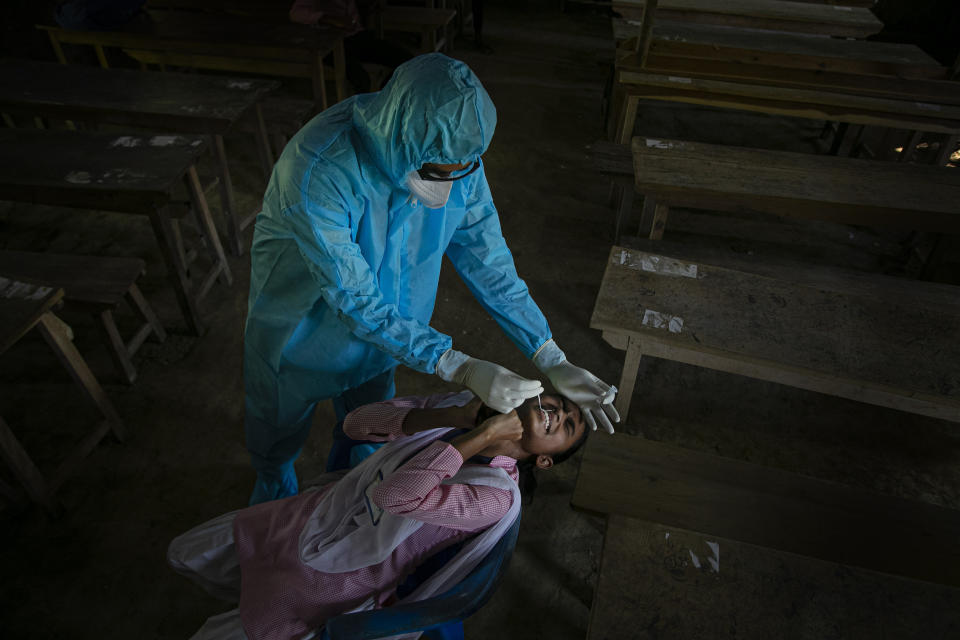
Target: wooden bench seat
x,y
138,175
906,113
893,344
24,306
627,479
171,102
97,285
773,15
788,51
846,190
850,82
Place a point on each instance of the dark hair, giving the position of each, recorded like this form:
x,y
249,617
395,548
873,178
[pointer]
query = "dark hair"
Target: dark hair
x,y
527,480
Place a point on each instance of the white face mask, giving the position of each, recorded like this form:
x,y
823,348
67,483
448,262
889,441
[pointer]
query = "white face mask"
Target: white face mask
x,y
432,193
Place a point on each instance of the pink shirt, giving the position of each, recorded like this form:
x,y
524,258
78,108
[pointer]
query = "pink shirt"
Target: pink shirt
x,y
281,597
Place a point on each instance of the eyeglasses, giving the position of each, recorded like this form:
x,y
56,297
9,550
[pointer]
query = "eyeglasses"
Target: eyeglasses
x,y
443,176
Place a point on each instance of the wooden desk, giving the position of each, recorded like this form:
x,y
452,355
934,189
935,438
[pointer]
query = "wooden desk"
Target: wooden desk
x,y
749,48
844,190
96,285
803,103
773,15
882,345
221,42
173,102
24,306
125,174
626,478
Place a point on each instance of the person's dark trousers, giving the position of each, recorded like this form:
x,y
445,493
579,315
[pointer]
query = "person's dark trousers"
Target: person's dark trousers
x,y
366,47
376,389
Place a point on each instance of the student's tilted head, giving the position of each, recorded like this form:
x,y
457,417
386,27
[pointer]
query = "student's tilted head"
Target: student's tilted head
x,y
553,430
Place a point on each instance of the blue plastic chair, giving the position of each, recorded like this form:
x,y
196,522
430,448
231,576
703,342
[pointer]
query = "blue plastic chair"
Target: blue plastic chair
x,y
440,617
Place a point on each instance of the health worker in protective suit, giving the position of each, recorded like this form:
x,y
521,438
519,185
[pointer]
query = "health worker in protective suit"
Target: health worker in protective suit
x,y
362,205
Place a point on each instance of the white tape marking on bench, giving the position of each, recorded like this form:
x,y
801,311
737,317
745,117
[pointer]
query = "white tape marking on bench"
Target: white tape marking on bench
x,y
660,144
127,141
680,80
842,8
657,320
715,560
164,141
233,84
15,289
656,264
78,177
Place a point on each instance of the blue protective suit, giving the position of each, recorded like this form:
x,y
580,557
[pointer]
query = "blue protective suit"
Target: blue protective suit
x,y
345,266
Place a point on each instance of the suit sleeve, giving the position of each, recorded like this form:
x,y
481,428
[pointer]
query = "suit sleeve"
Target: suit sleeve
x,y
482,259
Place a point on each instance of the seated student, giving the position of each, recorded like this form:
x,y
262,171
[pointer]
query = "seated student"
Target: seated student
x,y
447,474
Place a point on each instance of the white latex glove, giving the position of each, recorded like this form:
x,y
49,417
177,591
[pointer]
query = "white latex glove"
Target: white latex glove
x,y
592,395
499,388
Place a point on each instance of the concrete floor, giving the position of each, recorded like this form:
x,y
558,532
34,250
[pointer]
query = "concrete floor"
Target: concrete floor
x,y
99,571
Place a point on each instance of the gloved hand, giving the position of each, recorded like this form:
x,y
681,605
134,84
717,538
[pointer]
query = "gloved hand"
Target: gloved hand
x,y
500,389
593,395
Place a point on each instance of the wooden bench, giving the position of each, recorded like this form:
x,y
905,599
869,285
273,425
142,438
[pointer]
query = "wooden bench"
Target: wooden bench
x,y
845,190
878,83
222,42
773,15
634,87
432,25
137,175
630,479
24,306
744,53
174,102
97,285
735,321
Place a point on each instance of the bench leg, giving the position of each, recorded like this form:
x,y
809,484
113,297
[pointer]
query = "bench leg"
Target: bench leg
x,y
24,470
117,347
946,150
319,83
339,71
628,378
101,56
910,146
143,309
178,241
176,271
208,232
57,49
839,137
624,208
228,204
660,213
56,335
263,143
628,118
